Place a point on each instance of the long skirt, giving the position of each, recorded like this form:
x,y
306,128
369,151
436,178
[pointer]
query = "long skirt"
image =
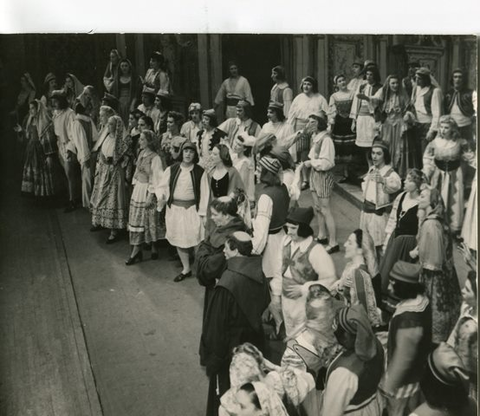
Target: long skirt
x,y
38,177
392,135
145,225
450,185
398,248
443,291
343,137
365,131
469,230
109,203
184,226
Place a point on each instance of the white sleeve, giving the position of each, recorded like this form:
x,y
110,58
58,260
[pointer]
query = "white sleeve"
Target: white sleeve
x,y
79,141
261,223
204,195
94,132
164,188
437,99
341,387
287,100
326,158
156,177
393,183
323,265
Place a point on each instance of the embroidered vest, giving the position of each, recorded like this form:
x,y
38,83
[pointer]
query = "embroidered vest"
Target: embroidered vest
x,y
277,94
300,268
196,174
464,102
369,374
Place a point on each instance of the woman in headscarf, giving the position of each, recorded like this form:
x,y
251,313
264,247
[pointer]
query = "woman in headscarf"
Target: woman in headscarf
x,y
126,87
111,70
49,85
248,366
438,274
442,165
356,281
90,100
38,170
25,97
393,103
354,375
73,88
109,202
257,399
445,386
105,112
145,223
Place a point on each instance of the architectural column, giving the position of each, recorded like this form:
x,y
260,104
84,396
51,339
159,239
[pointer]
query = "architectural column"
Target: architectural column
x,y
216,67
382,59
322,64
121,43
203,70
369,48
455,63
301,59
139,55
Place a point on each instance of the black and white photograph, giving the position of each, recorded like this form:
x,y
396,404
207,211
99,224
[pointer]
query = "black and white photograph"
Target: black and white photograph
x,y
276,224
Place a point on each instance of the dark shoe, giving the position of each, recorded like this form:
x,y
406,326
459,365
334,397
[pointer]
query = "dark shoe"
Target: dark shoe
x,y
132,260
322,241
343,179
70,207
182,277
333,249
155,256
305,185
112,240
96,228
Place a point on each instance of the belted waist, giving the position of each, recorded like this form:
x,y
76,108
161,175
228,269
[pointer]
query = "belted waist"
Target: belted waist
x,y
447,165
370,208
183,204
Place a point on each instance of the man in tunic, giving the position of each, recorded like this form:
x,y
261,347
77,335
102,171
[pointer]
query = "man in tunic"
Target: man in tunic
x,y
459,104
191,127
241,125
232,90
353,376
409,340
281,91
234,315
379,184
427,101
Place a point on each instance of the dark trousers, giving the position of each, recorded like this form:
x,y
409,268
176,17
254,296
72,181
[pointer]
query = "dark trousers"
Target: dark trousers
x,y
222,381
